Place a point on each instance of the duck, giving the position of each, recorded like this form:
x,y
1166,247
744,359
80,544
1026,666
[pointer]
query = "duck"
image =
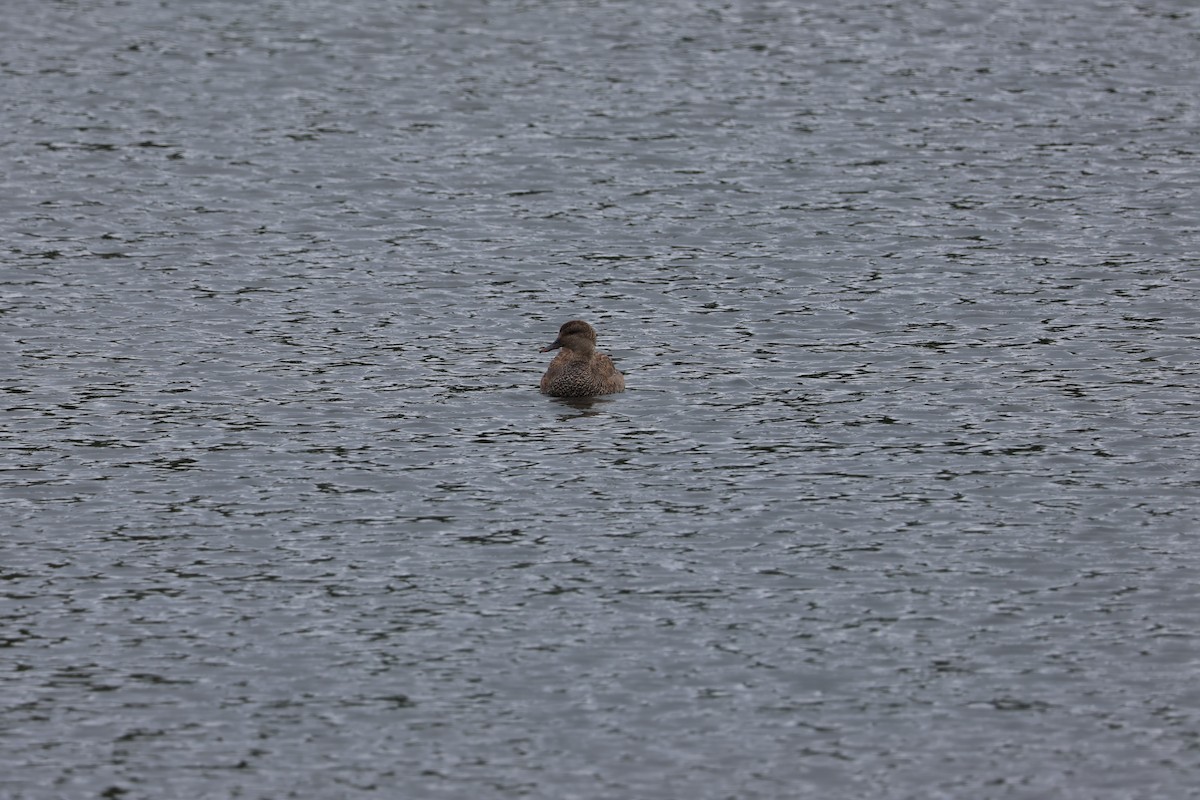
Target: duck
x,y
578,370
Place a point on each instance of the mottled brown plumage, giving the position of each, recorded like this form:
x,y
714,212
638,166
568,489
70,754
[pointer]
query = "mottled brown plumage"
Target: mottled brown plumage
x,y
578,370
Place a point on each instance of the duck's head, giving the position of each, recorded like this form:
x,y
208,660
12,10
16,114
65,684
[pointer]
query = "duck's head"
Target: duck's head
x,y
575,335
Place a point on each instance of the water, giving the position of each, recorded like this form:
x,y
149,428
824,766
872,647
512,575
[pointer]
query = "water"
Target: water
x,y
900,502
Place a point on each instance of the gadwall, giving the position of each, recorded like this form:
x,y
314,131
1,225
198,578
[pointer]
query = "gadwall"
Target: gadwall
x,y
578,370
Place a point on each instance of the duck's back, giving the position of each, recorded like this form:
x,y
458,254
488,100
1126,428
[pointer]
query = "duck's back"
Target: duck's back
x,y
569,377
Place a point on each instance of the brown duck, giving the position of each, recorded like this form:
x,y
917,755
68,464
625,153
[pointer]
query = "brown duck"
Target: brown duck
x,y
578,370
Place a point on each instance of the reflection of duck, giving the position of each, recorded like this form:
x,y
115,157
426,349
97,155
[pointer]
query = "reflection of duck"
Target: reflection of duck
x,y
578,370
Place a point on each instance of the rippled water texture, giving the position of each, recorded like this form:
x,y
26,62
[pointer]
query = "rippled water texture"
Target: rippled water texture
x,y
901,501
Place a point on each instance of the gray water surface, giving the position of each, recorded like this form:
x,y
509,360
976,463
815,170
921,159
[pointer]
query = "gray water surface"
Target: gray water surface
x,y
901,501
